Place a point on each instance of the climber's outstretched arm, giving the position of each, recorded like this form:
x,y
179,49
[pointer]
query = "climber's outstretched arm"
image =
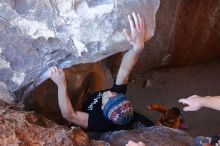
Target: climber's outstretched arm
x,y
68,113
136,38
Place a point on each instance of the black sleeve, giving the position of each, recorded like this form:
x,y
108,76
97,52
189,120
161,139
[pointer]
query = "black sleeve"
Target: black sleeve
x,y
121,89
97,122
139,119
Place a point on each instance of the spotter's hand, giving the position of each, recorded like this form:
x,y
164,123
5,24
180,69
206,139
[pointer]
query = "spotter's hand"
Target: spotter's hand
x,y
194,103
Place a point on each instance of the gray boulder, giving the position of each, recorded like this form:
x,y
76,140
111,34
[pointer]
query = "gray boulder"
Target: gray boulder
x,y
37,34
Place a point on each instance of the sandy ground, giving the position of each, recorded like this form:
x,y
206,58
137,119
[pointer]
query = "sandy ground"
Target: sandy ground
x,y
166,86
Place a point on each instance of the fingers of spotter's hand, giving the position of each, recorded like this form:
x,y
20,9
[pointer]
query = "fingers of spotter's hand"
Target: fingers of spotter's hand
x,y
136,21
194,96
184,101
127,35
187,108
181,100
131,22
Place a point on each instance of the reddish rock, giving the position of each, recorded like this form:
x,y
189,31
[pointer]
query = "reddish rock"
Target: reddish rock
x,y
187,32
28,128
196,33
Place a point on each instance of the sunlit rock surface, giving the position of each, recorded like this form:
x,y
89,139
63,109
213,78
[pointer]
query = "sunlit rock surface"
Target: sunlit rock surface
x,y
151,136
35,35
27,128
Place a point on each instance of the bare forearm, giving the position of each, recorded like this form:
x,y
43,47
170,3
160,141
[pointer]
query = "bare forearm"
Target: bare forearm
x,y
128,62
64,101
136,38
212,102
68,113
77,117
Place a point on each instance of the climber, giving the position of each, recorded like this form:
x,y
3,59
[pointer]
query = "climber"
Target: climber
x,y
107,109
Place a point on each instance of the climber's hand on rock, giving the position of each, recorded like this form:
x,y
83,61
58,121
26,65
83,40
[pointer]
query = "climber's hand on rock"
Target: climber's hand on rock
x,y
137,35
57,75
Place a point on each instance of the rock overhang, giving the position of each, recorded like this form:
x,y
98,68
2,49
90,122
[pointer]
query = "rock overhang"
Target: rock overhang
x,y
35,35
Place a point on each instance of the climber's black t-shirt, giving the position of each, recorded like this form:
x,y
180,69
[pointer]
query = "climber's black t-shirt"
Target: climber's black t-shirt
x,y
98,122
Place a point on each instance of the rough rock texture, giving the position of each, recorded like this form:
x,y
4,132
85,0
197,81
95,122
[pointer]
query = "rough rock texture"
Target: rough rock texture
x,y
152,136
82,80
27,128
167,85
196,33
187,32
35,35
4,93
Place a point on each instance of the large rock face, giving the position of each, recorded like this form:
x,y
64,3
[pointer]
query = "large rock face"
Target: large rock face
x,y
35,35
153,136
196,33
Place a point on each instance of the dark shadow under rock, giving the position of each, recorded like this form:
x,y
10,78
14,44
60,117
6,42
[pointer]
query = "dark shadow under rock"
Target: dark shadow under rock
x,y
151,136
